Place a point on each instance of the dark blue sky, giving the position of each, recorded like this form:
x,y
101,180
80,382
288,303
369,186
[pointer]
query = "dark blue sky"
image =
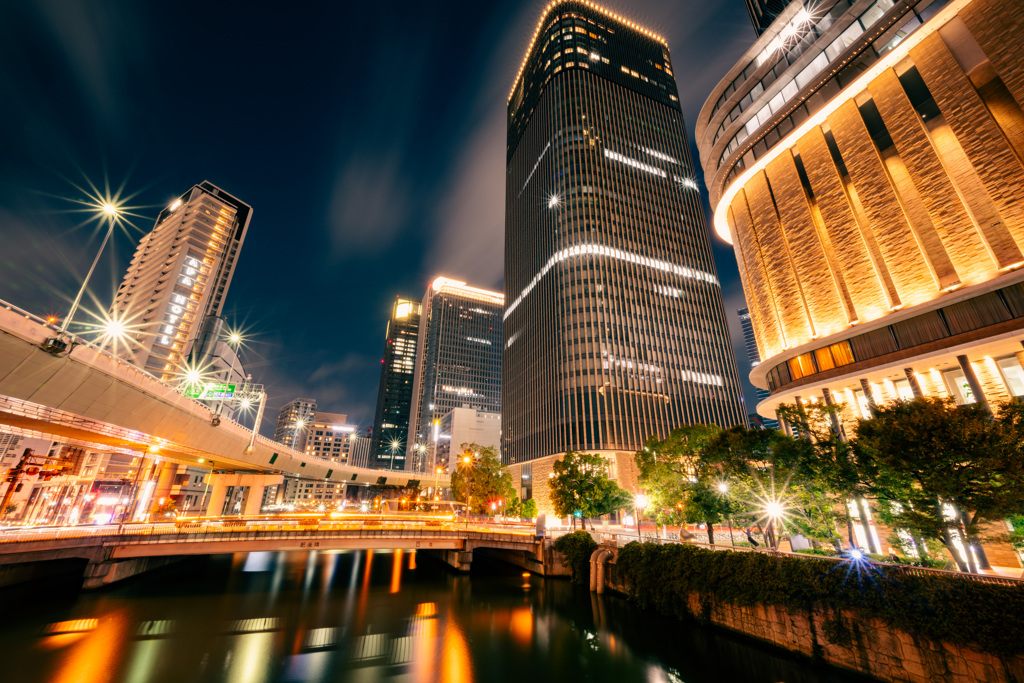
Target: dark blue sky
x,y
369,139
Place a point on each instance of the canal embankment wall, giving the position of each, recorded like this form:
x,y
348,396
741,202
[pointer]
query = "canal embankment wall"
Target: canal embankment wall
x,y
863,639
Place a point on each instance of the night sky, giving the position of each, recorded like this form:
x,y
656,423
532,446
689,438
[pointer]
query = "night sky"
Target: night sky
x,y
369,139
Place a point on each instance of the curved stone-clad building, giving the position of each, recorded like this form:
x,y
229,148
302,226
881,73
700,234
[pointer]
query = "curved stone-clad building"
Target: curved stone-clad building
x,y
866,161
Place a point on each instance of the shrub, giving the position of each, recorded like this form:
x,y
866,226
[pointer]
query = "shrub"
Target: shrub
x,y
942,608
577,548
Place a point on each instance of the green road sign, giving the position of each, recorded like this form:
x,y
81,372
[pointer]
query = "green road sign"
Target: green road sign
x,y
210,391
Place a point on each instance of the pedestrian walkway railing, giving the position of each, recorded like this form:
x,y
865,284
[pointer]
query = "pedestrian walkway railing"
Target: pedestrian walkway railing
x,y
225,530
619,539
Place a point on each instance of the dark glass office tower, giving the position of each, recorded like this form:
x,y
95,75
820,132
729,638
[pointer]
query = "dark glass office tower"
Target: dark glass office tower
x,y
614,328
394,396
763,12
459,362
753,360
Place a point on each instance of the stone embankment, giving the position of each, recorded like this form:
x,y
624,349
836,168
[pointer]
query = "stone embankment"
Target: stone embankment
x,y
847,639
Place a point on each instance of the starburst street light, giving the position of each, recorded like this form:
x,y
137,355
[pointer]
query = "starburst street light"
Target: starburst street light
x,y
109,209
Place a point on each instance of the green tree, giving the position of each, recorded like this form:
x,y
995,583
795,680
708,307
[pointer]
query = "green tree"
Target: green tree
x,y
942,469
581,487
765,470
667,469
529,509
479,480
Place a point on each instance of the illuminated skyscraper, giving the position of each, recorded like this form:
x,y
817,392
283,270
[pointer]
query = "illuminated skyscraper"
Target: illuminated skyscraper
x,y
180,275
614,328
459,362
394,396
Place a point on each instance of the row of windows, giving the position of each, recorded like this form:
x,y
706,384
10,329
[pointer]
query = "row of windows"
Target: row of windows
x,y
800,80
981,311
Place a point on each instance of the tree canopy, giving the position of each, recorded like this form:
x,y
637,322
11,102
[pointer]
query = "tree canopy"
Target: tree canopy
x,y
941,470
479,480
580,487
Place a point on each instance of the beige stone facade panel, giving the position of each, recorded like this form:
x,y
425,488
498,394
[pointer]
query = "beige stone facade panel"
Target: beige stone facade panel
x,y
965,248
824,297
997,166
931,383
866,292
991,380
778,259
998,26
899,246
767,327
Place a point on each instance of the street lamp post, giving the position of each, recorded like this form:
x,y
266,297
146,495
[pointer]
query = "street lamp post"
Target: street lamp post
x,y
723,488
773,511
57,344
639,503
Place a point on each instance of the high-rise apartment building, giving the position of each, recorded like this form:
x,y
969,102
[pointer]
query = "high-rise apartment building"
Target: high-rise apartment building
x,y
614,328
180,275
753,360
866,162
294,421
458,362
394,395
330,437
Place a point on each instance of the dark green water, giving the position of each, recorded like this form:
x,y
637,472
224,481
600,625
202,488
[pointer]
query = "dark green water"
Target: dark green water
x,y
361,617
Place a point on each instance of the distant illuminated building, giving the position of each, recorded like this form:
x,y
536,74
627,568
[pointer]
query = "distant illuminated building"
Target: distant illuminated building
x,y
865,162
753,360
294,421
394,395
614,328
465,426
180,275
458,362
330,437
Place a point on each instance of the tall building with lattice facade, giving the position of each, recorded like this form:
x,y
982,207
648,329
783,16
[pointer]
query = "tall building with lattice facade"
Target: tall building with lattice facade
x,y
614,328
179,276
458,363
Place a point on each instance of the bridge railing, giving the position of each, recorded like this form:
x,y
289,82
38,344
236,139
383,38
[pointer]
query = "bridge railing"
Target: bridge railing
x,y
229,529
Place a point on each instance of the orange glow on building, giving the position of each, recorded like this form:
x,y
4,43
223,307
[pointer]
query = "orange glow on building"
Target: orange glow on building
x,y
871,212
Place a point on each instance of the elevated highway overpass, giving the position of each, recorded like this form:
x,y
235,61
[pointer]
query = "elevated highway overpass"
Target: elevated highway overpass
x,y
89,397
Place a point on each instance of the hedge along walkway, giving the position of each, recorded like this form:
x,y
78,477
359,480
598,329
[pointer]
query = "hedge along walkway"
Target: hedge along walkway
x,y
941,608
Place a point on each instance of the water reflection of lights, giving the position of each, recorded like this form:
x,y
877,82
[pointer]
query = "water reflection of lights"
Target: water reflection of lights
x,y
250,657
456,665
396,572
95,655
521,625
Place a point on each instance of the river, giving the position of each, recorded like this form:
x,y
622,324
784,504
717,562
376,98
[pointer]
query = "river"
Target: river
x,y
361,616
